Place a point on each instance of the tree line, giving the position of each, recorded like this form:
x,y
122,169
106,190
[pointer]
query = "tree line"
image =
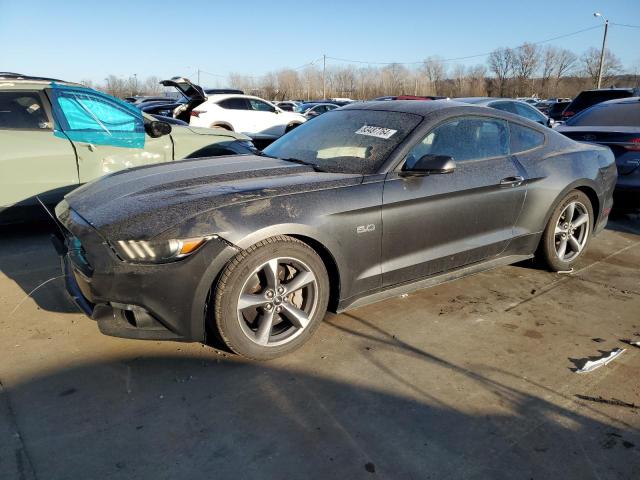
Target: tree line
x,y
528,70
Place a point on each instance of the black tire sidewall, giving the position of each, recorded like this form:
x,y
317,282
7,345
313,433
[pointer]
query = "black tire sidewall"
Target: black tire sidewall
x,y
233,279
548,240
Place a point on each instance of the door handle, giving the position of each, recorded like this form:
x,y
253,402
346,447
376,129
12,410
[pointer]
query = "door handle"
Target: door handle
x,y
512,181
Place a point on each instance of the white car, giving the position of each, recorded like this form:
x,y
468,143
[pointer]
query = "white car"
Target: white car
x,y
253,116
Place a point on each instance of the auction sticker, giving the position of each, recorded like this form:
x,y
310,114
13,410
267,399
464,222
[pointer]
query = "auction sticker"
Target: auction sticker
x,y
379,132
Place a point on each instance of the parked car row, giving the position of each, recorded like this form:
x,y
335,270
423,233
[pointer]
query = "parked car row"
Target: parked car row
x,y
614,124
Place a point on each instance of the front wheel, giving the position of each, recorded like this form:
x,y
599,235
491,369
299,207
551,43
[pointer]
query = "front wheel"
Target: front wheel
x,y
568,232
271,297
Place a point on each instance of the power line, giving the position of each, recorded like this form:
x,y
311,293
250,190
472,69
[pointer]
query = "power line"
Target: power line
x,y
468,56
625,25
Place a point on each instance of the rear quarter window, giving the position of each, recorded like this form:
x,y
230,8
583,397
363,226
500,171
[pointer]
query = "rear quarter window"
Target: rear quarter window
x,y
22,111
524,138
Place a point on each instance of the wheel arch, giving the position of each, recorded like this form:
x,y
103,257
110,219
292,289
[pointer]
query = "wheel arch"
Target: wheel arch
x,y
585,186
327,250
593,198
330,264
220,124
291,125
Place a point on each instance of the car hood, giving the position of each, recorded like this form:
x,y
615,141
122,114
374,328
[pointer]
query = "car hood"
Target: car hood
x,y
143,203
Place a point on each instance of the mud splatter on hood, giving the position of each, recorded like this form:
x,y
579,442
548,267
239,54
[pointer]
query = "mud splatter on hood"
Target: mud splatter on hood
x,y
143,202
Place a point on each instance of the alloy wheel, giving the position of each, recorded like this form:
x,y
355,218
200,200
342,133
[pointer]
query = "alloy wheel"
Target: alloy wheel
x,y
572,231
277,301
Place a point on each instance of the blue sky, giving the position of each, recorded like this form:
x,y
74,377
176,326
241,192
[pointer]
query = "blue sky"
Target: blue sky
x,y
88,39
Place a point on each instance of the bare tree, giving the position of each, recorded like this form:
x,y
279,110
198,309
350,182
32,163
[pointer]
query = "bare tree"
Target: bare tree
x,y
590,61
566,63
151,86
459,77
477,81
288,84
393,79
345,82
501,63
525,65
549,65
269,86
435,72
116,86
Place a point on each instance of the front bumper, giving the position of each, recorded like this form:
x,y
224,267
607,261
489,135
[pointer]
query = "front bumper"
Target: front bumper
x,y
153,302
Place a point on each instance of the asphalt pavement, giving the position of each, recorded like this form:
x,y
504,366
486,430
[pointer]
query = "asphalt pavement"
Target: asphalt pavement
x,y
471,379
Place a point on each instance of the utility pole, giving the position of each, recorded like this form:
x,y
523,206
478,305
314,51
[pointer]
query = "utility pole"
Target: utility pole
x,y
198,76
324,68
604,44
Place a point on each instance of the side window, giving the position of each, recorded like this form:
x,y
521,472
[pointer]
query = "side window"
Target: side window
x,y
524,138
260,106
235,103
23,111
529,112
87,116
464,139
504,106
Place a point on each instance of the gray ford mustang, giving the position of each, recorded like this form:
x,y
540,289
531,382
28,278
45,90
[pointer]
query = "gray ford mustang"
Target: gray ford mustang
x,y
365,202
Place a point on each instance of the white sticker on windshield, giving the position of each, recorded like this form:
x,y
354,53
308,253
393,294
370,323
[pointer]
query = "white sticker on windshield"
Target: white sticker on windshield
x,y
379,132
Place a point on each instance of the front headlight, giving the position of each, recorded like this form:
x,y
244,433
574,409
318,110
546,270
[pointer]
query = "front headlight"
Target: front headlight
x,y
143,251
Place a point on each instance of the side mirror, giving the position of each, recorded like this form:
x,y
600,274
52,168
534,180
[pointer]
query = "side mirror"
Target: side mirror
x,y
157,129
432,164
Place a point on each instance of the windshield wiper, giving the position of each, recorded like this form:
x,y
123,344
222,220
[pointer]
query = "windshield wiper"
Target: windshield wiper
x,y
299,162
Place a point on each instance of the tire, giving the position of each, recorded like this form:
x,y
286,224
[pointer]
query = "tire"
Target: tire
x,y
575,236
262,316
291,127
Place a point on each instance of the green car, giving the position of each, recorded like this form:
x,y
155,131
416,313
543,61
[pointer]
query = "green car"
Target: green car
x,y
58,135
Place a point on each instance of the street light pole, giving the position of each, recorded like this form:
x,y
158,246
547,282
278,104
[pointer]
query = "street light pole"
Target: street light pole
x,y
324,67
604,44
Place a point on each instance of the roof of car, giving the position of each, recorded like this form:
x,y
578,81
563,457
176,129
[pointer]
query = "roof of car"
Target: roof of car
x,y
16,81
609,89
620,100
405,106
223,96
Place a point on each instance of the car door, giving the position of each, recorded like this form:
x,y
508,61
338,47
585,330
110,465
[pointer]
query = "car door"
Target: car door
x,y
108,134
434,223
33,161
268,123
238,113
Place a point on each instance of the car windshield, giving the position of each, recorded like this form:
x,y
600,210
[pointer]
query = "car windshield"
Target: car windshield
x,y
346,141
626,114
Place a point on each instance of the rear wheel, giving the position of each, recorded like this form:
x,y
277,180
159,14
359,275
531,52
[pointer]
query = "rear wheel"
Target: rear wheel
x,y
568,232
271,298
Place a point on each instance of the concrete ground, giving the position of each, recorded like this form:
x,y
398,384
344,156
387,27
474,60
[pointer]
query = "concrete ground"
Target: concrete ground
x,y
473,379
